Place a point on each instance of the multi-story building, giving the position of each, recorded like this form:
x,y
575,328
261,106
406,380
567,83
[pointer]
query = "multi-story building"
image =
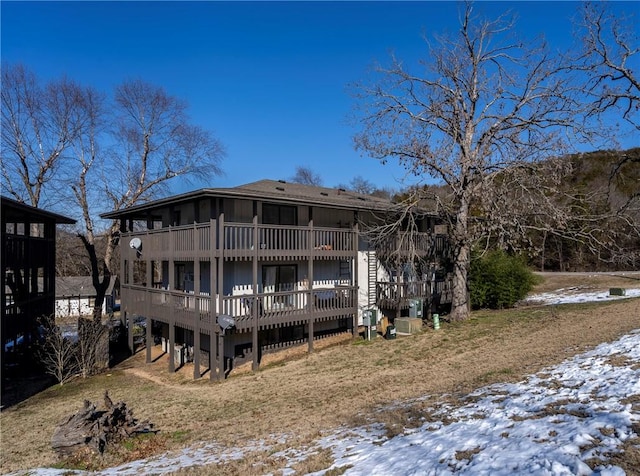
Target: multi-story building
x,y
220,273
28,273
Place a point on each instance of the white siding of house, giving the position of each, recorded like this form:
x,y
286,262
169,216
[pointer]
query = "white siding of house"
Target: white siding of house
x,y
75,306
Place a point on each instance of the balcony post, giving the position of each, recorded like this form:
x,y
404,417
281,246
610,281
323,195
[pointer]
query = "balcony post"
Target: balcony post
x,y
221,369
172,284
129,320
172,340
219,344
148,339
213,346
254,313
147,309
310,303
196,324
354,273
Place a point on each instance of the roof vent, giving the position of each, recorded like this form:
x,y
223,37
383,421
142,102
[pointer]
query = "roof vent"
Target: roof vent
x,y
362,198
280,188
324,193
282,181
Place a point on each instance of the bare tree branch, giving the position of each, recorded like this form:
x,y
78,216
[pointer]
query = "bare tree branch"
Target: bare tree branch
x,y
609,58
306,176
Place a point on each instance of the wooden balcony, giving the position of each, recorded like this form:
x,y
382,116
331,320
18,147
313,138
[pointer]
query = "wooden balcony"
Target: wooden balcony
x,y
240,241
392,295
269,310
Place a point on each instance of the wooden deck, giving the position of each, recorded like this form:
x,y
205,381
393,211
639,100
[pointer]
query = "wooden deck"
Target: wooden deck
x,y
391,295
191,311
244,241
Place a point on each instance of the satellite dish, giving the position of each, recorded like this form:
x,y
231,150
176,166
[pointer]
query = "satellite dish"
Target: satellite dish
x,y
226,322
135,244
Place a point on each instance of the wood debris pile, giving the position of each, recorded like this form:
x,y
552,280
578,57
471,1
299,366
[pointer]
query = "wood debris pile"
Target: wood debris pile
x,y
94,429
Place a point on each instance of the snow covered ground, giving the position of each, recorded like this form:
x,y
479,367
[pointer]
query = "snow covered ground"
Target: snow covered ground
x,y
575,295
551,423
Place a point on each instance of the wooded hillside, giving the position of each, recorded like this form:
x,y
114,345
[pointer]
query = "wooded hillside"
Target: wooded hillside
x,y
602,191
575,213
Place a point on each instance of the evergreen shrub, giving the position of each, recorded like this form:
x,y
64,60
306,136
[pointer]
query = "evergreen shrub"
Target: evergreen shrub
x,y
498,280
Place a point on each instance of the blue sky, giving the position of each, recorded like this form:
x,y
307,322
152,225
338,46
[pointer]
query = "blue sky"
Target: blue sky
x,y
269,79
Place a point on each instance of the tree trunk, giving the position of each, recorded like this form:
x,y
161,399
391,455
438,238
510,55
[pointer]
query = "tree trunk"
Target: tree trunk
x,y
460,298
95,429
461,260
99,286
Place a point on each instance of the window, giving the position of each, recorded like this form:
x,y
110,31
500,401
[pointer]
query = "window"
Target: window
x,y
280,278
279,214
180,277
175,218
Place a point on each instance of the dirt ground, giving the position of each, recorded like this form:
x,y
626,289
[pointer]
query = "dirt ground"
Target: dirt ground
x,y
342,382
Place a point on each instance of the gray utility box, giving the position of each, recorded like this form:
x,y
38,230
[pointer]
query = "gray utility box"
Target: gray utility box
x,y
369,318
415,308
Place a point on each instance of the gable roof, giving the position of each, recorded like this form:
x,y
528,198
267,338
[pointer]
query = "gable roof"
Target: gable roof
x,y
278,191
79,286
14,210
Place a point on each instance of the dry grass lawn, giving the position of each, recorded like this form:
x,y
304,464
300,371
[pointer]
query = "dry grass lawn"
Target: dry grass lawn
x,y
302,395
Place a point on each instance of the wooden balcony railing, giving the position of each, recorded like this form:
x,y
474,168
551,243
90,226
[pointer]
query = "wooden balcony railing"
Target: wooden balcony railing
x,y
242,240
184,242
394,295
271,309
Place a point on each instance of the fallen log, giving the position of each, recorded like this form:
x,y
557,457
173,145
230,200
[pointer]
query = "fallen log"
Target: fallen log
x,y
94,429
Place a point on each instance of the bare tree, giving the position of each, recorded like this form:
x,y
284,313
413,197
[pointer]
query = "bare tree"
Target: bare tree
x,y
92,353
71,256
609,58
483,102
116,154
38,126
306,176
359,184
58,352
153,143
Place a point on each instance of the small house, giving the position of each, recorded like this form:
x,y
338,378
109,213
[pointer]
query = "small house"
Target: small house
x,y
76,295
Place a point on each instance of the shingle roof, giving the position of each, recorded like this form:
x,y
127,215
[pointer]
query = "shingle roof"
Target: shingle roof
x,y
79,286
337,197
272,190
